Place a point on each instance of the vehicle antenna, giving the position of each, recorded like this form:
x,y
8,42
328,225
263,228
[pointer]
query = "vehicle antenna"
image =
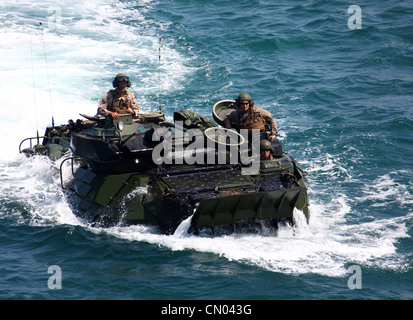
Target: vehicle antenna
x,y
47,73
159,73
34,91
249,61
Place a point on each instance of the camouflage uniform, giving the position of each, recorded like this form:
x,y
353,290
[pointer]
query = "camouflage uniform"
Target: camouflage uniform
x,y
255,118
117,101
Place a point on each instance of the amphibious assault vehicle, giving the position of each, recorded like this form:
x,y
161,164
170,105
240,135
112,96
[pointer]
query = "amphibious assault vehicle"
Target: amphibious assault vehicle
x,y
149,171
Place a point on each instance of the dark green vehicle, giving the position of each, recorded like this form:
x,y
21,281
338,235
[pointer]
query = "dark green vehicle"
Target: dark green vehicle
x,y
148,171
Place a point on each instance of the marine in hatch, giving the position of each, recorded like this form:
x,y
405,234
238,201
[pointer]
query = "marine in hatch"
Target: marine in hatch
x,y
120,100
248,116
265,150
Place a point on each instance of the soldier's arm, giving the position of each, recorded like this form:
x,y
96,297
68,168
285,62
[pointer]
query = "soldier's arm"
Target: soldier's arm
x,y
102,108
270,120
134,104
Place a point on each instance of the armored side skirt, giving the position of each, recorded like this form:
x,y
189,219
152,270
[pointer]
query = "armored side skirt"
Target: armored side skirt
x,y
138,199
276,205
270,205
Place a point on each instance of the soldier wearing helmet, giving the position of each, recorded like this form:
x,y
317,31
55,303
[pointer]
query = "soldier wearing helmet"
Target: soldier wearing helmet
x,y
265,150
120,100
250,117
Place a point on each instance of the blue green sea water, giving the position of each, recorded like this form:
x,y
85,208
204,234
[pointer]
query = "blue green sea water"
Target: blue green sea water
x,y
339,83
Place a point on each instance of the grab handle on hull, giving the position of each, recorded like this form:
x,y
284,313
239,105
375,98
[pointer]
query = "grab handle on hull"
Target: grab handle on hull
x,y
61,167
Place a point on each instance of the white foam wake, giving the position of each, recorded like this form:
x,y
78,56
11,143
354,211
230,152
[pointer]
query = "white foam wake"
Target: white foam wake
x,y
62,67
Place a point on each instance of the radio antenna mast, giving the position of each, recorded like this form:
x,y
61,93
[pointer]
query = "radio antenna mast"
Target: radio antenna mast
x,y
47,73
249,61
34,92
159,73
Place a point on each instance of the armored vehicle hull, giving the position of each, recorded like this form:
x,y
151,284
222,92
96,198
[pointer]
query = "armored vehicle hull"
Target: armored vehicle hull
x,y
147,171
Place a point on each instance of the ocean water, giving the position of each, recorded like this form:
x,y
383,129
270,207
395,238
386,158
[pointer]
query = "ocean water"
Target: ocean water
x,y
343,100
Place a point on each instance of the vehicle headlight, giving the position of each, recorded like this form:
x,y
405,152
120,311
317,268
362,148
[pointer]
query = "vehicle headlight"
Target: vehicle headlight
x,y
120,126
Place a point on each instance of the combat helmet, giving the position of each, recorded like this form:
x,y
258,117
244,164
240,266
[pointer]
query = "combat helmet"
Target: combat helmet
x,y
265,144
121,77
242,97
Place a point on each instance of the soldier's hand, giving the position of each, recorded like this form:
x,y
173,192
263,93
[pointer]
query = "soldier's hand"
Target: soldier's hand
x,y
114,115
